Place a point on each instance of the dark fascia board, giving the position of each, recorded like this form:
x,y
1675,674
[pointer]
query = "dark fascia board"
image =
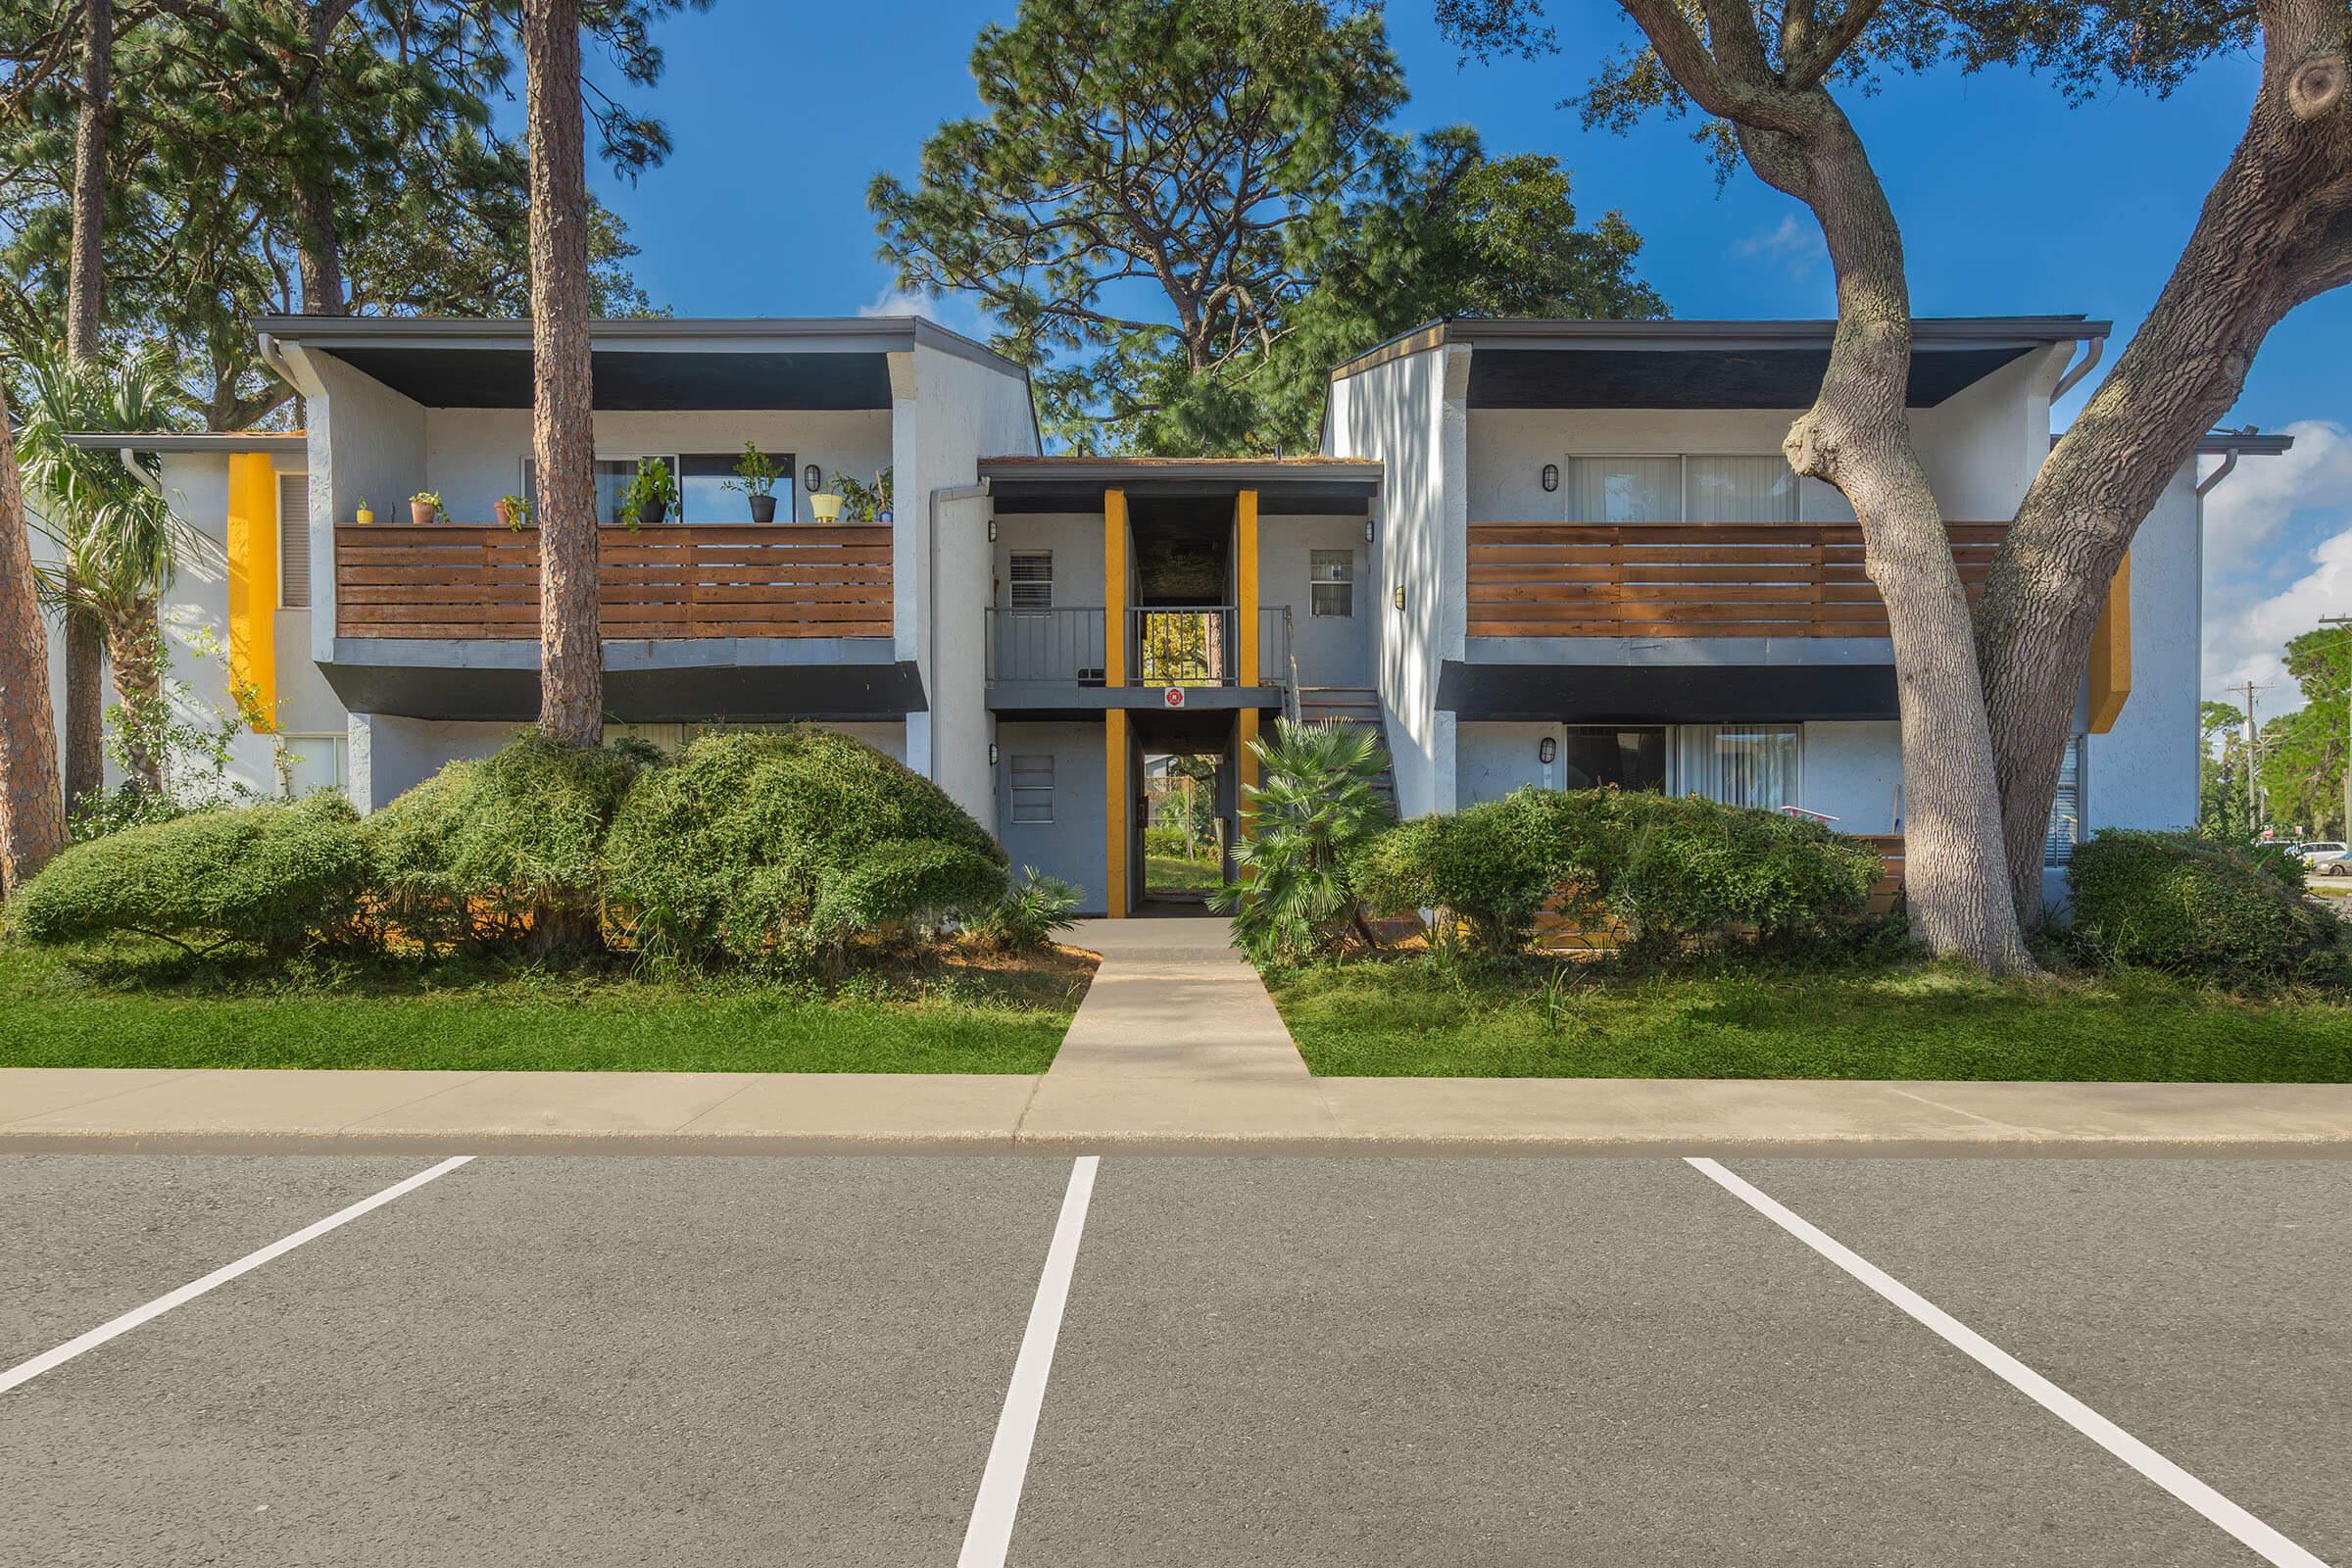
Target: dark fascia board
x,y
1571,335
1665,694
221,443
812,334
1241,471
2245,443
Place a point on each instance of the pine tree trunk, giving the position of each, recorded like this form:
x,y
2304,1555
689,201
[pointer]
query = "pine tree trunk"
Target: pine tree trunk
x,y
86,280
1857,436
562,434
32,821
85,710
2275,229
134,646
319,244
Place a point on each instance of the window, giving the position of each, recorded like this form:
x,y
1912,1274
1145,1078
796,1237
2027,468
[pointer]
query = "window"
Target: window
x,y
612,477
294,541
1330,585
704,496
1032,779
307,763
2066,808
1626,758
1032,584
1695,489
1742,764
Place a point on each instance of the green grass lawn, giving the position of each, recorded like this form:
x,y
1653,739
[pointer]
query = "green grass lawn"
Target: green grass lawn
x,y
1417,1019
148,1006
1173,872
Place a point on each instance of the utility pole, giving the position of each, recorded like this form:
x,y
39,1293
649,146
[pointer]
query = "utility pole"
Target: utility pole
x,y
2253,760
2345,621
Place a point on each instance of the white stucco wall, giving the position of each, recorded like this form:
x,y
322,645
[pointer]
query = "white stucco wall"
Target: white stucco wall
x,y
1331,650
2143,772
368,442
1074,846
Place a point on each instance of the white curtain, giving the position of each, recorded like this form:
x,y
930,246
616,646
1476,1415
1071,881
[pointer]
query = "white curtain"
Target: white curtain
x,y
1625,490
1741,490
1741,764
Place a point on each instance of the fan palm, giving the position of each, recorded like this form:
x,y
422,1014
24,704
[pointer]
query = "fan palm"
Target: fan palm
x,y
1318,802
119,545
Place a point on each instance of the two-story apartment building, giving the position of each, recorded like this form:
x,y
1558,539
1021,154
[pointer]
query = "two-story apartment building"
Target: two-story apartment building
x,y
1550,552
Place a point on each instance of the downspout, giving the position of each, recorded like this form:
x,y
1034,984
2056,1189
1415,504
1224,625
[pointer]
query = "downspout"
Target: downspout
x,y
2228,461
943,493
2075,373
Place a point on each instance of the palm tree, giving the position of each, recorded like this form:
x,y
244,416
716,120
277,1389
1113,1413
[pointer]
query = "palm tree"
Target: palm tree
x,y
32,824
1319,802
119,544
571,670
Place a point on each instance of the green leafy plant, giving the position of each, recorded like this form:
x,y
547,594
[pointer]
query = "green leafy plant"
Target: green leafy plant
x,y
431,499
515,512
651,484
755,472
280,877
1316,805
864,503
1026,916
2181,902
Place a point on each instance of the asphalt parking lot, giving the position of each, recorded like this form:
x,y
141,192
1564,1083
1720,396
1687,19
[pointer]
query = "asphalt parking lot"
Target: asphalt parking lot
x,y
1340,1361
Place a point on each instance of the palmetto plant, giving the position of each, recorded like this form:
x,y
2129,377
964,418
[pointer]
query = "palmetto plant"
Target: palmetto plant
x,y
119,544
1318,802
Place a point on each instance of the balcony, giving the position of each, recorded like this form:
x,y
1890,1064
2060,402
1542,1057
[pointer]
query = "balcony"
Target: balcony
x,y
1043,657
1703,579
483,584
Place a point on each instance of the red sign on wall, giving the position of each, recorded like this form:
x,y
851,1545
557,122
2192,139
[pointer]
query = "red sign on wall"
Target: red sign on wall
x,y
1173,697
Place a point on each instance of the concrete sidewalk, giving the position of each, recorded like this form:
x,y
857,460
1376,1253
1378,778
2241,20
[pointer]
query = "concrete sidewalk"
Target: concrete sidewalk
x,y
58,1110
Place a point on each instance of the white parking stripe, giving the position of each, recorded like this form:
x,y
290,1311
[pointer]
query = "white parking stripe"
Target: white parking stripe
x,y
2248,1531
26,1371
989,1535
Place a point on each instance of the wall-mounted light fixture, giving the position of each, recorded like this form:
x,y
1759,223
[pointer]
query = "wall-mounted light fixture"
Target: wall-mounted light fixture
x,y
814,477
1547,750
991,530
1367,530
1551,478
1401,596
991,753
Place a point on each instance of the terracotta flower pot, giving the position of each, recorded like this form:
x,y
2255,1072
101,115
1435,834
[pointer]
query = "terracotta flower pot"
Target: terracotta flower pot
x,y
421,513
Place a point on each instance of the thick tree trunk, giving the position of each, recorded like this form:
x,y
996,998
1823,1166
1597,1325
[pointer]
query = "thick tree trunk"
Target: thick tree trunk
x,y
563,437
2275,229
85,710
32,820
134,646
319,244
1857,436
85,278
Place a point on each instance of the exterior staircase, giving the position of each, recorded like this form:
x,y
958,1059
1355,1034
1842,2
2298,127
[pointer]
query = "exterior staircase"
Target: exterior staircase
x,y
1350,705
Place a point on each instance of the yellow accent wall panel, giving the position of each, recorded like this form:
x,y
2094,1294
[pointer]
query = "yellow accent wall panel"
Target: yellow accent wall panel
x,y
1115,773
2111,653
251,542
1245,556
1114,589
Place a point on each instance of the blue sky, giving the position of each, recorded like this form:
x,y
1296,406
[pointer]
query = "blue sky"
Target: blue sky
x,y
2011,202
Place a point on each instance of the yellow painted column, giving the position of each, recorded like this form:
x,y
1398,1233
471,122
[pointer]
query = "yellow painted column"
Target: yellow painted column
x,y
251,544
1114,720
1244,578
2111,653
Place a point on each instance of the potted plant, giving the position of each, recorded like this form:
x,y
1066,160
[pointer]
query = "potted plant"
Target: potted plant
x,y
825,506
365,517
756,475
514,513
652,491
868,503
424,509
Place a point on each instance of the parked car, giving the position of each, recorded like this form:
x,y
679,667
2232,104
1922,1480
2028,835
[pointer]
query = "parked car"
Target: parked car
x,y
2325,858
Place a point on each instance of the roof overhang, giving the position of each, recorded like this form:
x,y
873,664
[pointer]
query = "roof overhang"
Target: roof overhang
x,y
650,362
1709,365
221,443
1285,486
2244,443
1666,694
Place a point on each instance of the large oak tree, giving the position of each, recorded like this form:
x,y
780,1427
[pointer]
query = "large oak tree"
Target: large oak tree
x,y
1983,744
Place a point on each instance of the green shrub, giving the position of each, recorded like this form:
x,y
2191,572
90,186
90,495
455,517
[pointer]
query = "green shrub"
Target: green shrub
x,y
1671,869
2187,905
1166,838
1025,918
277,876
754,844
505,848
1317,806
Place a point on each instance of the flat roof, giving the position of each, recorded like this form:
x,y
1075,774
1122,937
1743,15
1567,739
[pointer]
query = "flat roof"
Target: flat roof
x,y
2247,443
221,442
1294,485
1525,363
639,361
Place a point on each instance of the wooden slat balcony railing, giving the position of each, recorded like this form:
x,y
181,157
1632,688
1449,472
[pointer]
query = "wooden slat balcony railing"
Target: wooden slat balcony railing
x,y
1688,579
656,582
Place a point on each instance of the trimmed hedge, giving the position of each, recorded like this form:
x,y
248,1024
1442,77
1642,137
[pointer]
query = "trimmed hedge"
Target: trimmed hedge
x,y
277,876
1671,869
754,844
2190,905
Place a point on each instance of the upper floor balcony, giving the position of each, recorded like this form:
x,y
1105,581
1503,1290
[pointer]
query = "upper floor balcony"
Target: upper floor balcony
x,y
1046,657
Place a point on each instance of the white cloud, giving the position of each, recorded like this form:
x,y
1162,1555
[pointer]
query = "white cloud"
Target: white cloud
x,y
1792,242
953,312
2249,523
